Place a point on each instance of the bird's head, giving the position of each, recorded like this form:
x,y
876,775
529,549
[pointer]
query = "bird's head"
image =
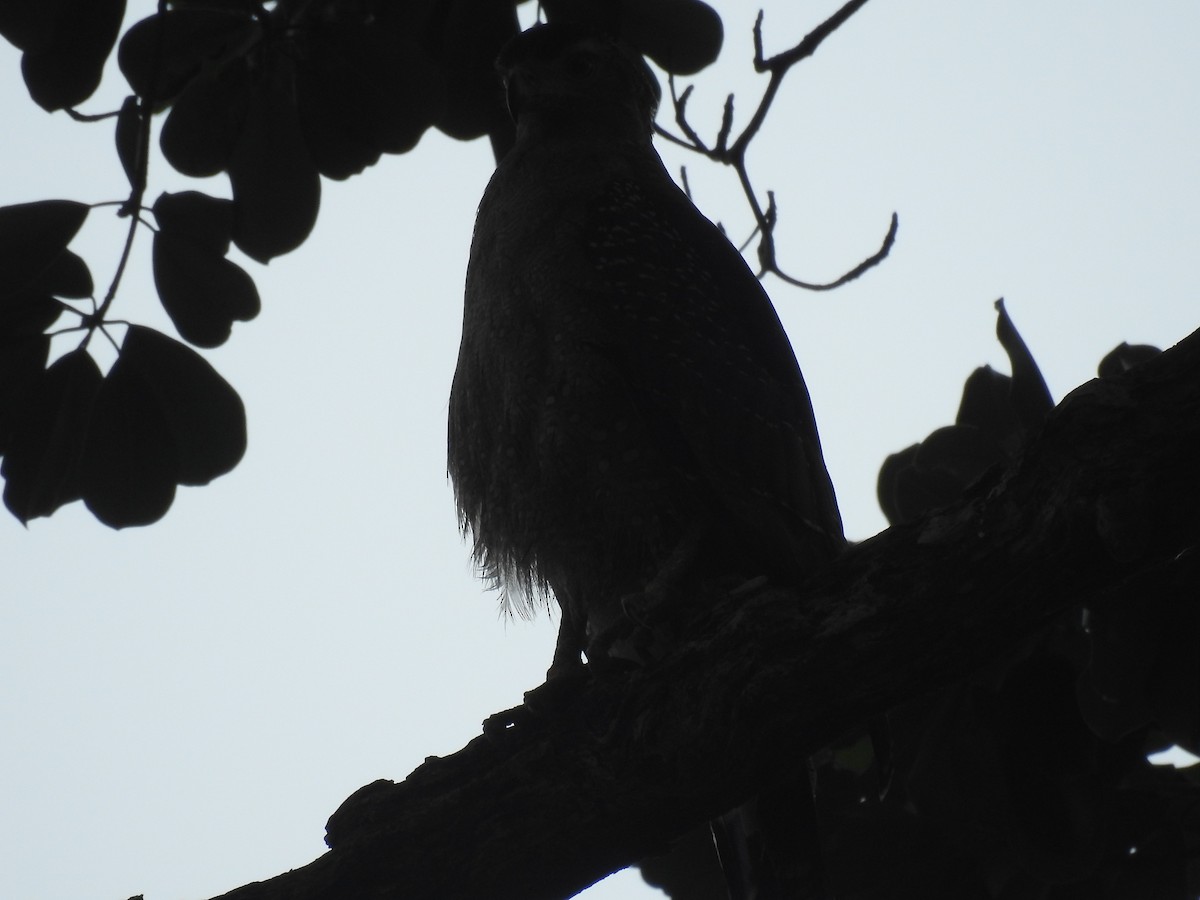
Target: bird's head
x,y
578,83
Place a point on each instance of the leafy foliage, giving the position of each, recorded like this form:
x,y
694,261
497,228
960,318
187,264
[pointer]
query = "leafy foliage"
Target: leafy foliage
x,y
65,44
995,417
1031,780
275,95
202,291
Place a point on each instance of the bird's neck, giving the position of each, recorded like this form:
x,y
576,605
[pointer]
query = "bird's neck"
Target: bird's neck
x,y
571,127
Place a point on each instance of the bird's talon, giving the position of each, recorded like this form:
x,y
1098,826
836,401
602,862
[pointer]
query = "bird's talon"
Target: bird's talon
x,y
634,607
556,691
499,724
749,586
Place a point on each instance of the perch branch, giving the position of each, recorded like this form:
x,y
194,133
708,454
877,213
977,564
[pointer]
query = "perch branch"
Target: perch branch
x,y
633,757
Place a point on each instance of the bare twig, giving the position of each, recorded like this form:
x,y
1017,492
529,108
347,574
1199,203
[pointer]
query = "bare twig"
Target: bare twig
x,y
726,125
806,47
138,180
679,102
734,154
77,116
769,264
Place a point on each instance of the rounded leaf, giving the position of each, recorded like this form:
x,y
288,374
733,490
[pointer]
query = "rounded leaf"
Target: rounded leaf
x,y
1124,357
276,188
202,127
47,431
247,6
959,452
65,70
202,292
925,485
204,415
887,485
471,35
27,314
1031,398
22,362
985,404
335,93
32,236
27,26
163,417
162,53
67,276
206,220
130,469
127,137
412,94
682,36
360,93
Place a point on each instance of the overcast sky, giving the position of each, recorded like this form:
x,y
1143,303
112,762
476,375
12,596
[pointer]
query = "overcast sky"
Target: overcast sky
x,y
184,705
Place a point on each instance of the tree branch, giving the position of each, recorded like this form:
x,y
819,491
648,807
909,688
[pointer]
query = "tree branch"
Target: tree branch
x,y
1104,496
734,154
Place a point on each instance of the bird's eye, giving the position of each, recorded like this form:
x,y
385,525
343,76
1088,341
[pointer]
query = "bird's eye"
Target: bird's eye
x,y
579,65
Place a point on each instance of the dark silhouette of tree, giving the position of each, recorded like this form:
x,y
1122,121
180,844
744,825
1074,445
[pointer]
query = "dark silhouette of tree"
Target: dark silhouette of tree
x,y
1029,623
1030,647
275,96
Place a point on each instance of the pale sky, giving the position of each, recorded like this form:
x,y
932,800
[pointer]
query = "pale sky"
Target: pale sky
x,y
184,705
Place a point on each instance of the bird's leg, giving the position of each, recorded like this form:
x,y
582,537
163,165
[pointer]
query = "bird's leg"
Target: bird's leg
x,y
641,610
572,639
566,668
750,586
565,672
671,574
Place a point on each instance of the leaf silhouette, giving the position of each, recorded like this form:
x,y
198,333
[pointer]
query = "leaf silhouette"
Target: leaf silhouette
x,y
203,125
27,25
995,415
48,431
34,266
204,416
1030,397
66,276
22,362
201,290
65,45
361,93
163,417
126,137
276,188
1123,357
129,472
27,314
32,236
160,54
682,36
468,39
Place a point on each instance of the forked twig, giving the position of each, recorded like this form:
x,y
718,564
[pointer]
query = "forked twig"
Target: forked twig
x,y
734,154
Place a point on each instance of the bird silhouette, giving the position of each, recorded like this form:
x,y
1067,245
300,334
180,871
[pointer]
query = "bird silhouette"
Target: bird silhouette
x,y
627,410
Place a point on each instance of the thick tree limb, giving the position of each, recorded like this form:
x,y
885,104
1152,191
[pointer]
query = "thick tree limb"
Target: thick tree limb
x,y
1106,494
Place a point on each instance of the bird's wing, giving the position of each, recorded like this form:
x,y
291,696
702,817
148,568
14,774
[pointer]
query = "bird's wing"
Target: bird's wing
x,y
701,340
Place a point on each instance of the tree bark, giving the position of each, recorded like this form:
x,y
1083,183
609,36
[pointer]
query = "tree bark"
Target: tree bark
x,y
610,769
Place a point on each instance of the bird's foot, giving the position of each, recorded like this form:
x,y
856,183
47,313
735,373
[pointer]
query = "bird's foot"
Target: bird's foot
x,y
498,726
627,639
565,676
637,607
562,683
750,586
